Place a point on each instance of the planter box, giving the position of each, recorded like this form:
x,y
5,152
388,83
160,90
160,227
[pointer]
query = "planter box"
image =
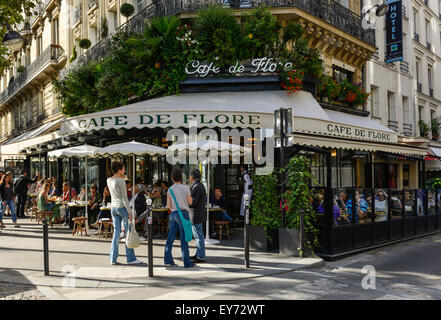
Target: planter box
x,y
289,242
259,239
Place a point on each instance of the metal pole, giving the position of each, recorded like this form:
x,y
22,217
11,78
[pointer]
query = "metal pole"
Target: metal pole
x,y
282,161
301,234
46,247
87,212
246,231
150,236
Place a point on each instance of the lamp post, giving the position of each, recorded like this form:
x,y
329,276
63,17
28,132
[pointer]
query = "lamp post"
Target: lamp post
x,y
12,39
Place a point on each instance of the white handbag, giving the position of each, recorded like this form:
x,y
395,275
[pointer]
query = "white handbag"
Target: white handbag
x,y
132,239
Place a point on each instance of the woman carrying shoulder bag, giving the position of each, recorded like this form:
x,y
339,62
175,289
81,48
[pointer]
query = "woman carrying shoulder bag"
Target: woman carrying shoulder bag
x,y
178,199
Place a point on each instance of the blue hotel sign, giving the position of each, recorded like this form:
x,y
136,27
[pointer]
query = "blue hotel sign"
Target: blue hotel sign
x,y
394,31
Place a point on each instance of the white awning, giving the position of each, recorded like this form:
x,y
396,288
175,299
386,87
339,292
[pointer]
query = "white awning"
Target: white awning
x,y
250,109
35,132
435,151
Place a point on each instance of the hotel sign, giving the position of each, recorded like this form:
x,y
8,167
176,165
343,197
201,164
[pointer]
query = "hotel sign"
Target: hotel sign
x,y
394,31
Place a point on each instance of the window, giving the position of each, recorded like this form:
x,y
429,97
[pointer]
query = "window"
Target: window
x,y
429,76
415,21
39,46
391,106
55,32
339,74
428,39
375,102
417,70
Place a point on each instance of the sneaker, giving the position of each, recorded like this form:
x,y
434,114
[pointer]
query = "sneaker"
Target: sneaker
x,y
122,235
197,260
114,263
171,265
137,261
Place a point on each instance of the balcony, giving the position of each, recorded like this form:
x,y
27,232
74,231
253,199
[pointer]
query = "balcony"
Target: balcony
x,y
419,87
327,10
39,11
428,45
416,37
407,129
431,92
29,123
37,71
404,66
40,118
393,125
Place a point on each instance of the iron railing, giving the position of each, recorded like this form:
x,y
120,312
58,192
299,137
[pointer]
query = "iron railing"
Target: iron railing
x,y
419,87
416,36
431,92
404,66
327,10
52,54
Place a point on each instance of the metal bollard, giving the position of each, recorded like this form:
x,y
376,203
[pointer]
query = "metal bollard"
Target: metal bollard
x,y
46,247
301,234
246,231
150,236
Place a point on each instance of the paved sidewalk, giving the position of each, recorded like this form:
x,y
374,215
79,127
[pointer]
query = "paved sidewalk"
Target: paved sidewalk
x,y
83,262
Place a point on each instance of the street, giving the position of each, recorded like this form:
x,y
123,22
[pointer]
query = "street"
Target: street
x,y
407,270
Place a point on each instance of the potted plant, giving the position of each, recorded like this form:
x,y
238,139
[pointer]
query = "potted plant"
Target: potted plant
x,y
435,126
328,89
20,69
127,9
352,94
424,128
85,43
265,213
298,202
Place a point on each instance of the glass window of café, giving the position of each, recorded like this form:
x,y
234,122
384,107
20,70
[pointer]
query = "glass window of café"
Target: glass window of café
x,y
37,163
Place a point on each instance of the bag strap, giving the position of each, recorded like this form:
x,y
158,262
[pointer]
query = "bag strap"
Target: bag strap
x,y
174,198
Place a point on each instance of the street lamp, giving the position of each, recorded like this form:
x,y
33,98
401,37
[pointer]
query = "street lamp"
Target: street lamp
x,y
12,39
382,9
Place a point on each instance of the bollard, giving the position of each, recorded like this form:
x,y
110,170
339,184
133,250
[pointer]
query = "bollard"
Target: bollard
x,y
150,236
301,234
46,247
246,231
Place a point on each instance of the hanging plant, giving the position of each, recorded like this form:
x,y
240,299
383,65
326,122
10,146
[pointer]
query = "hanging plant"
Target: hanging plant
x,y
20,69
85,44
127,9
328,88
352,94
104,28
292,81
74,54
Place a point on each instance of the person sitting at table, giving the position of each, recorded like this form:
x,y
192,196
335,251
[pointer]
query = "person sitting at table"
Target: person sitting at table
x,y
82,195
361,207
381,207
105,200
129,189
219,200
164,188
44,203
341,201
64,210
94,203
156,196
53,190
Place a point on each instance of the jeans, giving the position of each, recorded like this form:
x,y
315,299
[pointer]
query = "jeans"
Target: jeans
x,y
2,208
11,205
175,224
118,215
225,216
200,241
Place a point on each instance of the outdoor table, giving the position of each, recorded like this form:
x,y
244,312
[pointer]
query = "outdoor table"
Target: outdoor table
x,y
160,216
74,207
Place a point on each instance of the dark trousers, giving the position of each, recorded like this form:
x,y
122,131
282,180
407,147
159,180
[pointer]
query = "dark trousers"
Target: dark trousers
x,y
21,203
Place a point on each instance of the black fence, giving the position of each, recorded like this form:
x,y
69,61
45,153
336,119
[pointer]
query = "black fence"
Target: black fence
x,y
359,218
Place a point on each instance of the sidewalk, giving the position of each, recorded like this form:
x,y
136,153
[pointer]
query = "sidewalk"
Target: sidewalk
x,y
83,261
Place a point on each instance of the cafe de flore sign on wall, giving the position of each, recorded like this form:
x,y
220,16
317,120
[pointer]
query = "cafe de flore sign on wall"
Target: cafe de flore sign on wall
x,y
240,109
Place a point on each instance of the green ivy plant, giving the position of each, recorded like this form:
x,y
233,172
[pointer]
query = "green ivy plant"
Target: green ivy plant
x,y
298,179
265,211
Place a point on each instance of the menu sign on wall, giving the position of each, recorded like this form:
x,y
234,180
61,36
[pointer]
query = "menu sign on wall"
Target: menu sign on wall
x,y
394,31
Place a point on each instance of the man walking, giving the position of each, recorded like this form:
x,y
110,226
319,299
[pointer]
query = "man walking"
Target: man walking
x,y
199,215
21,190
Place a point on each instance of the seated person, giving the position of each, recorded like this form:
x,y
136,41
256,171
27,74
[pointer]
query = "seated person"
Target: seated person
x,y
219,200
67,192
82,195
94,203
361,207
341,201
381,206
44,204
105,200
129,189
139,200
156,196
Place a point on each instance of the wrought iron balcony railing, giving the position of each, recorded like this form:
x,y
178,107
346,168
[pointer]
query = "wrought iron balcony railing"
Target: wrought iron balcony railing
x,y
416,36
419,87
404,66
431,92
328,10
52,54
428,45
